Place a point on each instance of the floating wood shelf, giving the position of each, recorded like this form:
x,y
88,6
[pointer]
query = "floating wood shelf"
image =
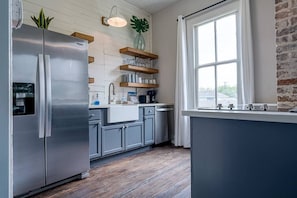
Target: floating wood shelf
x,y
91,59
139,69
138,85
83,36
138,53
91,80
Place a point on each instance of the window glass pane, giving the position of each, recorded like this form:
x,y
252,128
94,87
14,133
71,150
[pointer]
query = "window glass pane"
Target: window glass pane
x,y
226,38
227,84
206,87
206,43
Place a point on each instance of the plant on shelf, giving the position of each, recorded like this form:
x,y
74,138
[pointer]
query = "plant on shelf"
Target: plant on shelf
x,y
139,25
42,21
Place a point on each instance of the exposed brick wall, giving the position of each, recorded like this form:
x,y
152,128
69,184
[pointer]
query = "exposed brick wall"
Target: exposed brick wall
x,y
286,49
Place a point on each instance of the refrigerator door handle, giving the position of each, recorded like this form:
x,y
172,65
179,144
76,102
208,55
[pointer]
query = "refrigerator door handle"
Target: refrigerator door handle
x,y
41,96
48,107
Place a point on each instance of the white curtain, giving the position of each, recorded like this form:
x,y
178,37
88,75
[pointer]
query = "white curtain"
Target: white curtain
x,y
246,53
182,123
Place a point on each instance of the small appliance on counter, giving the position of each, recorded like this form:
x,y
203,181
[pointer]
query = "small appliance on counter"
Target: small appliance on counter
x,y
132,97
152,96
142,99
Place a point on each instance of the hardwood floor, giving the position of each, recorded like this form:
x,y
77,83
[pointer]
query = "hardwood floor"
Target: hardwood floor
x,y
163,172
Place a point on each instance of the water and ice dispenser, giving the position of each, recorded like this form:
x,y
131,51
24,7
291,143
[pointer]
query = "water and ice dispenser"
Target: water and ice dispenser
x,y
23,98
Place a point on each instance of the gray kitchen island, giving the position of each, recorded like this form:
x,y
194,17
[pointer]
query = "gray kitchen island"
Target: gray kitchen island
x,y
243,154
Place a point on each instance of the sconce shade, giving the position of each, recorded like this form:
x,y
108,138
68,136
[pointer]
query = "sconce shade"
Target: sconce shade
x,y
117,22
114,19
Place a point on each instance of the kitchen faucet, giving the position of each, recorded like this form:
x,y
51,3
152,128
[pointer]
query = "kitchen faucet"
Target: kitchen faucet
x,y
110,84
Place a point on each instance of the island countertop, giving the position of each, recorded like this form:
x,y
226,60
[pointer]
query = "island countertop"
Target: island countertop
x,y
266,116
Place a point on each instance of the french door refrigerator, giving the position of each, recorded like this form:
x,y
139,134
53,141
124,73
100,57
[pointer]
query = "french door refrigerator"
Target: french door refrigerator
x,y
50,108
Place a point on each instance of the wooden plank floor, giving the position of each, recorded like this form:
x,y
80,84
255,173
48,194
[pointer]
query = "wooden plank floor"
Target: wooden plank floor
x,y
163,172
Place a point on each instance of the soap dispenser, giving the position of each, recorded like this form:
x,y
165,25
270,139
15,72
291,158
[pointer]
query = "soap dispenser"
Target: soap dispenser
x,y
95,99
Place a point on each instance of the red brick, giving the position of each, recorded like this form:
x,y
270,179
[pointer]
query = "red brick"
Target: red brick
x,y
282,57
282,74
287,82
282,24
294,90
282,66
293,20
284,99
282,32
281,15
281,6
293,29
281,40
283,90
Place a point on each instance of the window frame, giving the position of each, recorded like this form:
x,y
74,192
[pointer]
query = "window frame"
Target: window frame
x,y
215,63
192,24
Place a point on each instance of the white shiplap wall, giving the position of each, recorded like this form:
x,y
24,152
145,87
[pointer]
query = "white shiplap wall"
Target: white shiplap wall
x,y
85,16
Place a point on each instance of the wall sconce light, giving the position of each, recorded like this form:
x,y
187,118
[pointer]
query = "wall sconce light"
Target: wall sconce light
x,y
114,19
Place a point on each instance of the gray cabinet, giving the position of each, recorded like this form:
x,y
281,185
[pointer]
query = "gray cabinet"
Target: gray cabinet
x,y
112,139
95,116
149,129
133,135
149,122
120,137
95,138
109,139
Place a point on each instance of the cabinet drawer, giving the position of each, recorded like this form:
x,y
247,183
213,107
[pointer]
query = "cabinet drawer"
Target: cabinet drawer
x,y
95,114
149,111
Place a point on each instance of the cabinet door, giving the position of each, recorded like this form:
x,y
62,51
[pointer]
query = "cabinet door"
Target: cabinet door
x,y
149,122
133,135
112,139
95,139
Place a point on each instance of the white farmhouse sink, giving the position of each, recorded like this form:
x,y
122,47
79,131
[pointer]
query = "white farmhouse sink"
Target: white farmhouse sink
x,y
122,113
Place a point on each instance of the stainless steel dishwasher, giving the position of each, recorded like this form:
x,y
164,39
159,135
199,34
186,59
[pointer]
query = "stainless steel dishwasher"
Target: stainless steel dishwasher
x,y
164,123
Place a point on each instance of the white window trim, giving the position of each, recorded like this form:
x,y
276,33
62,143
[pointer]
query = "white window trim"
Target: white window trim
x,y
216,63
192,23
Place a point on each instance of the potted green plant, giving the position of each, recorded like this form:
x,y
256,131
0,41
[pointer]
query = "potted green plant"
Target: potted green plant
x,y
42,21
139,25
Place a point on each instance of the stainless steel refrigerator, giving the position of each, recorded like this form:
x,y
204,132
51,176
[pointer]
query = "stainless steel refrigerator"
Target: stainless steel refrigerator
x,y
50,108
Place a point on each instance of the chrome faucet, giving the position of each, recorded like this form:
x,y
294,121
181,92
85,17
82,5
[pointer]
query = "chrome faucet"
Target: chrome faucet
x,y
110,84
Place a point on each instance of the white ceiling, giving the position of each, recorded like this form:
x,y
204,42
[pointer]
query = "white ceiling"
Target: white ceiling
x,y
152,6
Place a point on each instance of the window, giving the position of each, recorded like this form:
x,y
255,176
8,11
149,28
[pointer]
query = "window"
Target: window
x,y
216,61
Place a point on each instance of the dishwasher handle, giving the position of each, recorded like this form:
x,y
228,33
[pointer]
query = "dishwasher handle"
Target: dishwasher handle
x,y
94,122
165,109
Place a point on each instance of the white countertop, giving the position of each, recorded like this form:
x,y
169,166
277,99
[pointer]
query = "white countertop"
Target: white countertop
x,y
266,116
105,106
